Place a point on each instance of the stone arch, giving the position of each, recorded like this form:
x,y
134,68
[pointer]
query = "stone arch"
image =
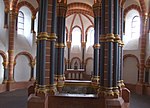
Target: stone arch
x,y
87,30
74,58
133,6
136,78
72,30
27,54
4,56
89,58
131,55
27,4
147,64
88,71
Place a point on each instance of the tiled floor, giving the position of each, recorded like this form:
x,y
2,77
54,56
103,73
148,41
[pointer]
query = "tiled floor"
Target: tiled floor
x,y
18,99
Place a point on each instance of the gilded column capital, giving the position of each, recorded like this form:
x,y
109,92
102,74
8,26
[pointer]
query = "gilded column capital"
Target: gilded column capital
x,y
110,37
42,36
121,44
83,44
5,64
32,64
61,45
10,51
96,46
69,44
52,37
117,38
14,63
33,17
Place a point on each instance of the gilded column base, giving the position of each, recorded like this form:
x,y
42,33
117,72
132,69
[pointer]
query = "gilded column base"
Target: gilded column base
x,y
51,89
121,84
101,91
60,80
40,89
116,92
108,93
95,81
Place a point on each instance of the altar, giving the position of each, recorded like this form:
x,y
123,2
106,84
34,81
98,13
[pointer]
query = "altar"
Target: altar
x,y
74,74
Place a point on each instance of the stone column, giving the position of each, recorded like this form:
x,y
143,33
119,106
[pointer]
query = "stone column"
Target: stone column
x,y
32,23
12,18
83,46
61,15
32,64
96,46
144,22
109,53
41,47
147,75
6,18
102,49
116,51
120,60
69,48
51,88
109,42
5,64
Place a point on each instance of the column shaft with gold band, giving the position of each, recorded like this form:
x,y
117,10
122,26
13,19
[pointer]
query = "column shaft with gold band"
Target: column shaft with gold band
x,y
61,14
12,16
41,46
116,47
102,43
51,88
96,46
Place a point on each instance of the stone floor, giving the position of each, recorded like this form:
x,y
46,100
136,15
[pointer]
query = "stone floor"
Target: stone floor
x,y
18,99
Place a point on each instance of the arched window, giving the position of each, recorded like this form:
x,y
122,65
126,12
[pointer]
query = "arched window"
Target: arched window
x,y
76,36
90,37
36,23
132,29
135,27
20,23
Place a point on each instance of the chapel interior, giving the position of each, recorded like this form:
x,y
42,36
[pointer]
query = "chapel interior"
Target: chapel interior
x,y
75,53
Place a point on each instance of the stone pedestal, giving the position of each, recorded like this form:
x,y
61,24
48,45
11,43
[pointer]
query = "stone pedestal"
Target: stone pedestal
x,y
37,101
